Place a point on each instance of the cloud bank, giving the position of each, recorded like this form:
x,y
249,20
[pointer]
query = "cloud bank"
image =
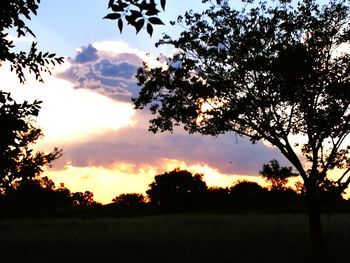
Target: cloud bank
x,y
108,68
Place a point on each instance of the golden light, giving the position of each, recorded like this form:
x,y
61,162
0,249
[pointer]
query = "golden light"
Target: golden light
x,y
105,182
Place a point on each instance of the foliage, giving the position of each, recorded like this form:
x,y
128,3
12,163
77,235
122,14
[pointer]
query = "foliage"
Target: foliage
x,y
276,175
38,194
266,72
247,195
18,161
139,14
217,198
83,199
12,17
176,189
132,200
246,189
20,165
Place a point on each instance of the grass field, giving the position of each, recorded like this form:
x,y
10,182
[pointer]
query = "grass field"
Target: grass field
x,y
177,238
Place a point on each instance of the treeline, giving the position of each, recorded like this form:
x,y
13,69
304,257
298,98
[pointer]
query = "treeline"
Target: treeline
x,y
177,191
181,191
41,197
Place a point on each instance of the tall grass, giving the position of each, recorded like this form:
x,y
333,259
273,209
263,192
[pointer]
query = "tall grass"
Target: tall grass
x,y
177,238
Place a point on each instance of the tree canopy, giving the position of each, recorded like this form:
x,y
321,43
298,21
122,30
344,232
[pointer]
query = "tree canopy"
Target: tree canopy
x,y
276,175
268,72
13,16
138,13
18,161
176,189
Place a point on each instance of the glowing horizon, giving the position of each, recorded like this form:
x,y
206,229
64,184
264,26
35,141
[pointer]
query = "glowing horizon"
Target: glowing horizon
x,y
119,178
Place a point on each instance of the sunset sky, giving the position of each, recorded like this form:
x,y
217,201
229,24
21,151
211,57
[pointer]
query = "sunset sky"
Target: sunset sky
x,y
87,111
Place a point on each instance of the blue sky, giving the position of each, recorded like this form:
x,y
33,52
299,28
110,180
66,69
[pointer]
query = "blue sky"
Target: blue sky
x,y
62,26
87,110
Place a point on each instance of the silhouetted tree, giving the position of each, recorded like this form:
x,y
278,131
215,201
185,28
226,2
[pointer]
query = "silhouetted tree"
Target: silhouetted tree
x,y
247,194
38,195
130,200
217,198
13,16
19,163
178,189
83,199
266,72
276,175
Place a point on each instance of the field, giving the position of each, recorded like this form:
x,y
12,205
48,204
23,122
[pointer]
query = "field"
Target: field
x,y
176,238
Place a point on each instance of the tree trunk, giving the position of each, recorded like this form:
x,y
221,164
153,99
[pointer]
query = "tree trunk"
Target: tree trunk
x,y
315,227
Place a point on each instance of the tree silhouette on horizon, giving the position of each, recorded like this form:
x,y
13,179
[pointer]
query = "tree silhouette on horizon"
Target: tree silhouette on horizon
x,y
177,190
277,176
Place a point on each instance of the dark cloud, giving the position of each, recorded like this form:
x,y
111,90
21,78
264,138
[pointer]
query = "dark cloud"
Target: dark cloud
x,y
108,69
107,73
87,54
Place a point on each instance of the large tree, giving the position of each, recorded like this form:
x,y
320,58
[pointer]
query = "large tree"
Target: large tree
x,y
19,163
268,72
176,190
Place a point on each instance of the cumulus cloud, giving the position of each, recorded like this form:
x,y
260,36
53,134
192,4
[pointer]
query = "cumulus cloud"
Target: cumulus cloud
x,y
108,68
86,54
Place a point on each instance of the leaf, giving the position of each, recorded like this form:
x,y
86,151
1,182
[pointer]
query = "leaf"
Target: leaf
x,y
162,3
112,16
139,24
155,21
133,17
135,14
149,29
120,25
142,6
117,8
152,12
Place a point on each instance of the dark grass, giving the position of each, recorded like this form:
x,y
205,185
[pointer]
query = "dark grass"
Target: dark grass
x,y
176,238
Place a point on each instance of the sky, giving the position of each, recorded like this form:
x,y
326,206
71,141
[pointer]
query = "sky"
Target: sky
x,y
87,109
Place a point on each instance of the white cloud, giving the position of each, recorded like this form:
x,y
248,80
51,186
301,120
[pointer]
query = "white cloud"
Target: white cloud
x,y
119,47
69,114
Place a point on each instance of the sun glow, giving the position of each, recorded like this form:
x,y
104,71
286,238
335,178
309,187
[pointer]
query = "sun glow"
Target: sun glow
x,y
118,178
105,182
